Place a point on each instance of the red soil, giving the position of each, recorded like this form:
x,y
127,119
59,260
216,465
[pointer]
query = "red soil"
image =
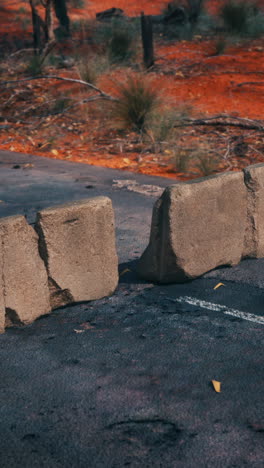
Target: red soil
x,y
186,72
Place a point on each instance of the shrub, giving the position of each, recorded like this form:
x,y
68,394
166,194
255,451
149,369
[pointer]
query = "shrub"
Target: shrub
x,y
91,67
220,46
240,16
256,24
181,160
117,39
60,105
35,65
137,101
81,29
206,161
120,46
161,128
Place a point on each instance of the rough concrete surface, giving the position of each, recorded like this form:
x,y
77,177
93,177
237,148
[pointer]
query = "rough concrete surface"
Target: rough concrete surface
x,y
196,227
77,244
254,238
25,280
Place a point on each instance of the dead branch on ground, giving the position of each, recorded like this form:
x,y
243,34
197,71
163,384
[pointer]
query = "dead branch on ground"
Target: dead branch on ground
x,y
223,120
71,80
250,83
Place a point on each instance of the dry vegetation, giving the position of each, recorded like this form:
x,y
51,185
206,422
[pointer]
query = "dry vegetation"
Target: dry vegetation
x,y
197,111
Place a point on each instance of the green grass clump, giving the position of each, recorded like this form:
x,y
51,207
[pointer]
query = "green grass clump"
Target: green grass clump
x,y
162,128
206,161
136,102
61,105
91,67
35,66
181,160
120,47
117,39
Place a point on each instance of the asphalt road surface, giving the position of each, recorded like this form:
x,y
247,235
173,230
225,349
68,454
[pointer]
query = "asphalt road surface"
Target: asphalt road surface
x,y
126,381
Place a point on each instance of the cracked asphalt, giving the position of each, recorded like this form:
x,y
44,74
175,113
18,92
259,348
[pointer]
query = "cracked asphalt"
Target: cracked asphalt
x,y
125,381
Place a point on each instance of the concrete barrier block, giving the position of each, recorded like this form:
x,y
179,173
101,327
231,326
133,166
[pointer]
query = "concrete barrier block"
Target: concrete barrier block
x,y
77,244
25,292
254,237
196,226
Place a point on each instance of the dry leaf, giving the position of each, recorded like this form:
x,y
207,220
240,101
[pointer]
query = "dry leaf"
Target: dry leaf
x,y
86,326
126,270
126,160
44,144
31,140
55,152
218,285
179,73
79,331
216,385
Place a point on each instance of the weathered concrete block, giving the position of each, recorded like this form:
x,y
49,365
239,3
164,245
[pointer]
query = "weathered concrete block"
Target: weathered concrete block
x,y
196,226
254,237
77,244
24,282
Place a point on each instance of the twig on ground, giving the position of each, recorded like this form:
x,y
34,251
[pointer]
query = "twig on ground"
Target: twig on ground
x,y
62,78
223,120
227,153
257,151
20,51
254,83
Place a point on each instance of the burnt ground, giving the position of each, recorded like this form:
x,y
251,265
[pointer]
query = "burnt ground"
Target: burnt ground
x,y
126,380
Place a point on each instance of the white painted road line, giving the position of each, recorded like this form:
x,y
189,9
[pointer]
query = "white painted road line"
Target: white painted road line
x,y
220,308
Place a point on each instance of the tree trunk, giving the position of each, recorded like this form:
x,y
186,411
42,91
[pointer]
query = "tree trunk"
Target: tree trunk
x,y
49,34
62,15
36,24
147,40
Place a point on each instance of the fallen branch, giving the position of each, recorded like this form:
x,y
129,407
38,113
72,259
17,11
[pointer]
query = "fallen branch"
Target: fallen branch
x,y
62,78
226,120
22,50
254,83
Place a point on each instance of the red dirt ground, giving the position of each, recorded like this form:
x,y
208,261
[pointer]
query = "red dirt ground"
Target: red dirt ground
x,y
187,72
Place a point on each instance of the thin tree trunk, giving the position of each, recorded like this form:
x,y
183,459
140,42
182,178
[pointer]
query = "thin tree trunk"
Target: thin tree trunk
x,y
62,15
49,34
147,40
36,24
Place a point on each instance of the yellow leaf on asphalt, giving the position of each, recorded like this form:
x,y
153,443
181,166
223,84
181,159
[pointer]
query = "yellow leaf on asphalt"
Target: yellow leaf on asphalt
x,y
55,152
216,385
126,270
218,285
79,331
86,326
